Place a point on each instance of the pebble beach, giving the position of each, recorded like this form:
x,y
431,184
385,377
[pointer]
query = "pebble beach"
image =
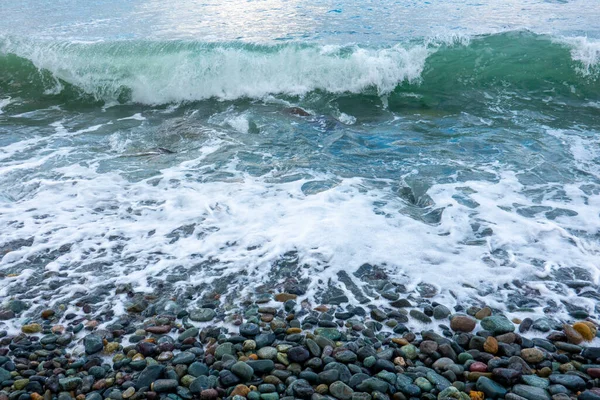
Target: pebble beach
x,y
282,349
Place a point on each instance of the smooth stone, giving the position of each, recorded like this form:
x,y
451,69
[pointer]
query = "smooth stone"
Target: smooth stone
x,y
572,382
68,384
378,315
409,351
313,347
269,396
243,370
423,384
533,380
589,395
225,348
197,368
530,392
209,394
329,376
130,391
438,380
31,328
420,316
188,333
329,333
441,312
568,347
302,389
149,375
449,393
202,314
19,384
249,329
346,356
462,323
164,385
373,384
497,324
203,383
4,375
184,358
298,354
490,388
261,366
591,353
340,390
442,363
93,344
532,356
267,353
267,388
228,378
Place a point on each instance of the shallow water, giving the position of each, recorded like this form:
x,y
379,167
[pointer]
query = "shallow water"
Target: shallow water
x,y
451,152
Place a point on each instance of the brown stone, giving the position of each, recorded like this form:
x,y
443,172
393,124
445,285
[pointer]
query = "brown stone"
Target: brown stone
x,y
400,341
572,335
400,361
266,317
58,329
272,379
484,312
322,389
283,297
508,338
240,390
532,356
47,314
101,384
490,345
159,330
544,372
462,323
91,324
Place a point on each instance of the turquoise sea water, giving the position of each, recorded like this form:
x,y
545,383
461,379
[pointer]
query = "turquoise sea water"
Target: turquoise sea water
x,y
189,149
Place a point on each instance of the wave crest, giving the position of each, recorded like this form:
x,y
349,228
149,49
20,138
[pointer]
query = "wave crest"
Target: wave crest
x,y
166,72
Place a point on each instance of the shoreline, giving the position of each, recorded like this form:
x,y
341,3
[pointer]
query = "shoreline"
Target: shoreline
x,y
292,351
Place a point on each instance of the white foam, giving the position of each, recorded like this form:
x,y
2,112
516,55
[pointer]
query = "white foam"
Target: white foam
x,y
346,119
233,119
240,123
247,223
3,103
586,52
585,151
135,117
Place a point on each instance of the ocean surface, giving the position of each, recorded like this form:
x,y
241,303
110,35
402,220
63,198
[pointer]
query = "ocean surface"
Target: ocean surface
x,y
346,151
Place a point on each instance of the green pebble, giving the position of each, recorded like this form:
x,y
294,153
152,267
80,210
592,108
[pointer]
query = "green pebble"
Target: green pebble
x,y
369,361
20,383
424,384
464,357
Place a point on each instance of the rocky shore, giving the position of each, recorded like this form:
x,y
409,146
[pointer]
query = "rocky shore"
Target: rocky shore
x,y
286,349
